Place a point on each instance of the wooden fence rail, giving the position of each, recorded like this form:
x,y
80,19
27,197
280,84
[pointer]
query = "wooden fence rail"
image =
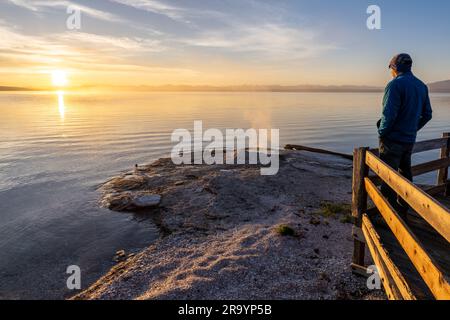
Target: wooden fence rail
x,y
434,213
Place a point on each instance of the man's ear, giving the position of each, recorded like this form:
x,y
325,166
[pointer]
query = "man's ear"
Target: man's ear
x,y
393,73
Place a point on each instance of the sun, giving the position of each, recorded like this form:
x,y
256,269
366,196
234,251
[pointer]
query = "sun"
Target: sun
x,y
59,78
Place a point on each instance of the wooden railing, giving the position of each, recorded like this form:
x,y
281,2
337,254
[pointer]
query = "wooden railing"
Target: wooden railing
x,y
420,200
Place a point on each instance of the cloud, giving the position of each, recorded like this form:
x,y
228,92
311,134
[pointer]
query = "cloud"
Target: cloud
x,y
70,42
158,7
101,43
176,13
24,4
262,34
77,50
217,42
269,40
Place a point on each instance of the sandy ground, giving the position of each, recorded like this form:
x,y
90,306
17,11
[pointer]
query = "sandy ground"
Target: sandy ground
x,y
221,240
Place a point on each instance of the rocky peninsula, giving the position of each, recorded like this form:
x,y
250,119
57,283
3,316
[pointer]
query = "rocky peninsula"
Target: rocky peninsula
x,y
231,233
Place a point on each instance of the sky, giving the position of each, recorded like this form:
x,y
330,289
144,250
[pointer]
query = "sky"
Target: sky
x,y
220,42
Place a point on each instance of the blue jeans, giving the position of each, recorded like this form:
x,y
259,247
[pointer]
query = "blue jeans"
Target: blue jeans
x,y
398,157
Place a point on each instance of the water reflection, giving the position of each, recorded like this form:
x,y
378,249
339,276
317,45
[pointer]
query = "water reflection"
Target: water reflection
x,y
60,222
61,105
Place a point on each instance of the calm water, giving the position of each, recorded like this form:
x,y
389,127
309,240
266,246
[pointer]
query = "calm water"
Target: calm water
x,y
55,149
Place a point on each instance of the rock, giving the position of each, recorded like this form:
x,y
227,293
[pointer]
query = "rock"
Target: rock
x,y
146,201
127,182
314,221
179,183
117,201
120,253
120,256
124,201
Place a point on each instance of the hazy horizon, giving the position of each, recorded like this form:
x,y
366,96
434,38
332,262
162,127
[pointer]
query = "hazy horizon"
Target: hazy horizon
x,y
303,87
436,87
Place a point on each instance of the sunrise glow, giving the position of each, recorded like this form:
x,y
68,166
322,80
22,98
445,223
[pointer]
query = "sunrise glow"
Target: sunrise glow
x,y
59,78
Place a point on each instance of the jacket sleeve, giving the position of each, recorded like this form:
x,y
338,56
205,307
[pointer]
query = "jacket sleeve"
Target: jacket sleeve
x,y
391,106
427,112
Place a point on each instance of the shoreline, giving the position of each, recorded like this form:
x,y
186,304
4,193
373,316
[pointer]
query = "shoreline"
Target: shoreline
x,y
230,233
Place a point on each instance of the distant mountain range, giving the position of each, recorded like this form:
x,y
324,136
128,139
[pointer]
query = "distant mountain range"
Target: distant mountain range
x,y
240,88
14,89
247,88
441,86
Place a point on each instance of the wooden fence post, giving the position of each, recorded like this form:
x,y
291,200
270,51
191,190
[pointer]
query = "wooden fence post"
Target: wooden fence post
x,y
443,172
359,204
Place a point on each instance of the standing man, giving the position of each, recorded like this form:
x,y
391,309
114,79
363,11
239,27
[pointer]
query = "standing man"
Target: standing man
x,y
406,110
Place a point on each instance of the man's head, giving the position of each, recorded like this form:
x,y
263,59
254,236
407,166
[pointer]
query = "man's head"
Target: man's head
x,y
400,63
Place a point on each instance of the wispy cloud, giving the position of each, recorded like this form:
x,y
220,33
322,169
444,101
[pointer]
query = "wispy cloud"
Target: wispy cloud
x,y
158,7
101,43
71,50
270,40
174,12
263,35
24,4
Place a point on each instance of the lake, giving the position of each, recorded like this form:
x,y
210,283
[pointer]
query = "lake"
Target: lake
x,y
56,148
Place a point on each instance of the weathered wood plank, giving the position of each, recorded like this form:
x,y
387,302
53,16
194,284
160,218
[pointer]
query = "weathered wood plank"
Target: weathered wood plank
x,y
431,166
359,252
425,265
445,154
402,261
359,194
316,150
360,270
373,239
417,170
389,285
436,246
429,145
358,234
359,199
432,211
435,190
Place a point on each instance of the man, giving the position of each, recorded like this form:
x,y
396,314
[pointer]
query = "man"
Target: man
x,y
406,110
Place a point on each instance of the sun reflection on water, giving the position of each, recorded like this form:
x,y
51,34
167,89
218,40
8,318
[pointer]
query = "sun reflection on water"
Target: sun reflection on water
x,y
61,105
